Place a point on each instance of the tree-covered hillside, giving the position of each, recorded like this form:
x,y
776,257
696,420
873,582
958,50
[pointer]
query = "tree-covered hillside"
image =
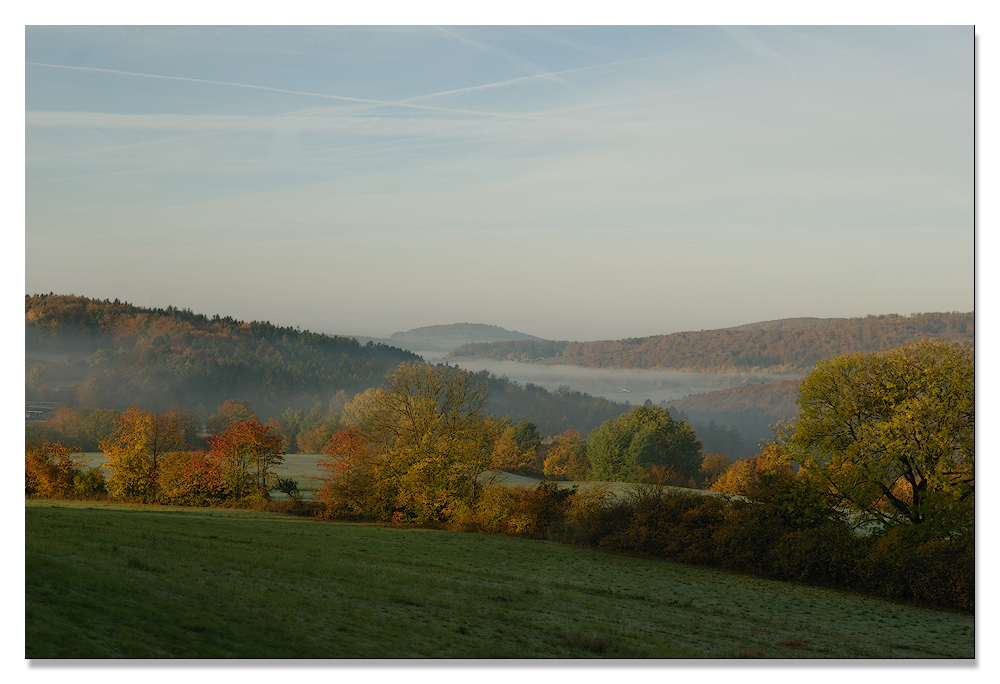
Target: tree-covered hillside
x,y
96,353
80,351
750,410
767,346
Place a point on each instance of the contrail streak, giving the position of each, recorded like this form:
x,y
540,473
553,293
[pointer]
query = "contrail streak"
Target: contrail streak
x,y
327,96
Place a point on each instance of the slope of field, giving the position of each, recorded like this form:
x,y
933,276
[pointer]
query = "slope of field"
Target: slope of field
x,y
116,581
768,346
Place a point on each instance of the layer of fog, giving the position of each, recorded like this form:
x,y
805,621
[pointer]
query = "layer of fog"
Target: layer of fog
x,y
612,383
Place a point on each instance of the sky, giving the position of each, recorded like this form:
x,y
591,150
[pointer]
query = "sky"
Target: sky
x,y
572,183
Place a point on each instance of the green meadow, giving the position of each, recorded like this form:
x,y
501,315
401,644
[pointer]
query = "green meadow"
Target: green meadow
x,y
130,581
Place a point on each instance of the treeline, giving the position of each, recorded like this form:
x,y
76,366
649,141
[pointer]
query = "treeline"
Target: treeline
x,y
301,431
750,411
513,350
306,431
150,460
779,530
769,348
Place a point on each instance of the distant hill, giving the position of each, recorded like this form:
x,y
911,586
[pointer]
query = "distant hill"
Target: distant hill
x,y
786,324
787,346
444,338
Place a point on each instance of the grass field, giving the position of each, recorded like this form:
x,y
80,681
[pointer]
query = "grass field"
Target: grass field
x,y
111,580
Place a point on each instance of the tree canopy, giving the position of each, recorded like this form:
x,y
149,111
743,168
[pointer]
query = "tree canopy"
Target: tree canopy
x,y
892,433
419,445
621,448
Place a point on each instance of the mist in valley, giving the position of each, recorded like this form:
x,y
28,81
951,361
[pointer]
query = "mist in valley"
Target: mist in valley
x,y
634,386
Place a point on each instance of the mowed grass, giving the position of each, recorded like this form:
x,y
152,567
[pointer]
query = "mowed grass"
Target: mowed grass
x,y
109,580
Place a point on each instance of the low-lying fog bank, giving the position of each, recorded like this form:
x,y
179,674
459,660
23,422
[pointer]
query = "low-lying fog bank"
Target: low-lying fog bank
x,y
612,383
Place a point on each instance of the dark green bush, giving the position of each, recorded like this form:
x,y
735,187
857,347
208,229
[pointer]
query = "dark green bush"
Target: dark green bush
x,y
902,566
89,482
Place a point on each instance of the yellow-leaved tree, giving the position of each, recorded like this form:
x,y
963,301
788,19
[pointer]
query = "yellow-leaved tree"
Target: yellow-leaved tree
x,y
430,445
892,434
134,450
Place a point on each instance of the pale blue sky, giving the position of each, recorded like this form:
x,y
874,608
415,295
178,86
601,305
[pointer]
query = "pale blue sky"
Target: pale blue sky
x,y
571,183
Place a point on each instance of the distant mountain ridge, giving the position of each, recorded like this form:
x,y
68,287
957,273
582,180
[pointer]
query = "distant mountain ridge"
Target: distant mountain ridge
x,y
788,345
785,324
444,338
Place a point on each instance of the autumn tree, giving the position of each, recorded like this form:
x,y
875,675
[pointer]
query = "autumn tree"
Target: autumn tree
x,y
311,441
434,439
712,466
190,478
350,478
135,448
892,433
306,433
620,449
231,411
247,454
567,459
50,468
189,423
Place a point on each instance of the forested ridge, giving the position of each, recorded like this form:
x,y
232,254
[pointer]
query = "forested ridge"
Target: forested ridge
x,y
113,354
84,352
770,347
751,410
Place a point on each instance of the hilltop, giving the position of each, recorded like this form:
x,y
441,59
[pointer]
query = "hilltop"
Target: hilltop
x,y
785,346
444,338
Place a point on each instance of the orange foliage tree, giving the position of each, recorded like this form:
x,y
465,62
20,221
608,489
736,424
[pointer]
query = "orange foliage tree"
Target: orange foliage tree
x,y
192,478
231,411
49,468
348,479
246,453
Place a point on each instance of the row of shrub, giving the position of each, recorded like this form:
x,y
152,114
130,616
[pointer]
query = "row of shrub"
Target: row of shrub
x,y
755,537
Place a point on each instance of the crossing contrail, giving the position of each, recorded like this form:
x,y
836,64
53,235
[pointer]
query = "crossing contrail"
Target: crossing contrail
x,y
286,91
